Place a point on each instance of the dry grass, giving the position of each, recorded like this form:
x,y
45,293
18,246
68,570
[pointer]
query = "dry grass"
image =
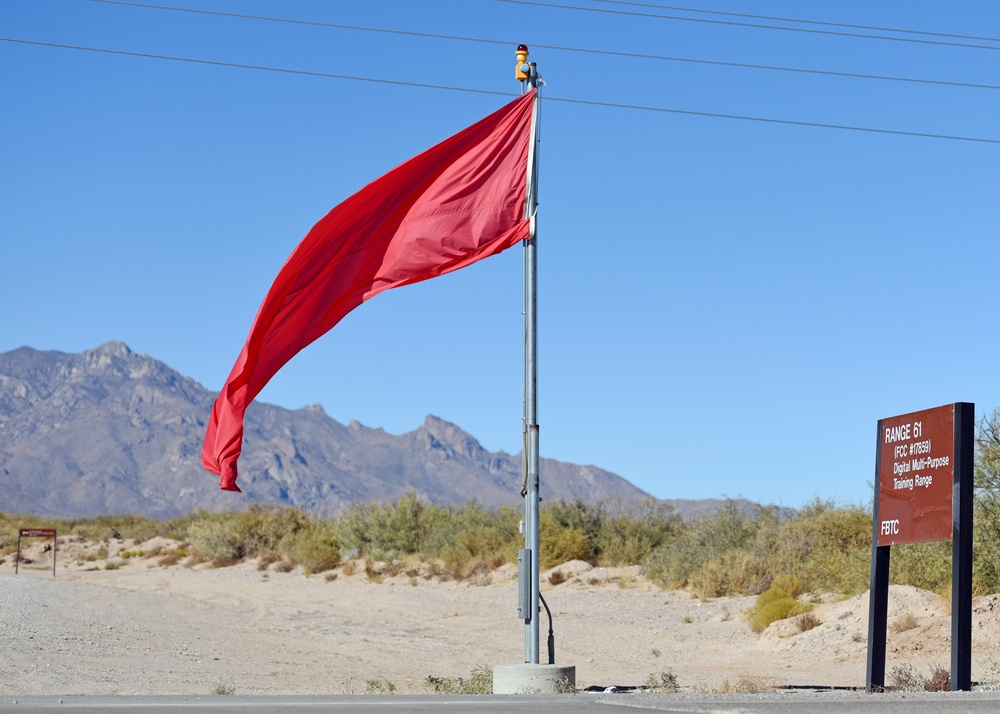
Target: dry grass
x,y
557,577
664,683
479,681
807,622
903,623
267,560
379,685
171,558
905,678
747,683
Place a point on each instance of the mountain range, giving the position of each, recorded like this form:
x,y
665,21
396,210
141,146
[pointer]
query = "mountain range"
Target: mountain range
x,y
109,431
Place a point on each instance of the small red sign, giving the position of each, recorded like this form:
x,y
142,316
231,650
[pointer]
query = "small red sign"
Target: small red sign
x,y
38,532
916,476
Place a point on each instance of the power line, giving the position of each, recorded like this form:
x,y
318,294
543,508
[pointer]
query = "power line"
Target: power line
x,y
261,68
768,120
802,21
537,3
558,48
422,85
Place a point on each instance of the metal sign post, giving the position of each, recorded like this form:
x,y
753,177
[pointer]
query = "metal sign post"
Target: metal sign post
x,y
923,492
36,533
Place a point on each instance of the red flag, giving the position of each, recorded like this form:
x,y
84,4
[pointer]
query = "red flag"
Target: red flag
x,y
444,209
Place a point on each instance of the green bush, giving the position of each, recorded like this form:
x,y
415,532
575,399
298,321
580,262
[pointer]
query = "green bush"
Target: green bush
x,y
733,572
699,541
471,533
777,603
824,545
315,547
385,531
572,526
559,544
480,681
630,537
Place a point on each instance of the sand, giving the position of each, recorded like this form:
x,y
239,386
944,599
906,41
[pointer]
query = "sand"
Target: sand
x,y
108,624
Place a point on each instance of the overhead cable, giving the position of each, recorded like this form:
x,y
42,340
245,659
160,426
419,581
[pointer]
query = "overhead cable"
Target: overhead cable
x,y
557,48
802,21
558,6
549,98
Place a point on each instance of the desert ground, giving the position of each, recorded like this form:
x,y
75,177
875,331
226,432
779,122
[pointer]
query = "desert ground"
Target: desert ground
x,y
123,617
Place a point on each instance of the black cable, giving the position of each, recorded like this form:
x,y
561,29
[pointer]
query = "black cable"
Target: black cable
x,y
261,68
818,125
558,48
802,21
552,638
422,85
749,24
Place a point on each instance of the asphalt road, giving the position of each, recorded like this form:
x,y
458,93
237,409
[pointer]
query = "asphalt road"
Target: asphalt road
x,y
781,703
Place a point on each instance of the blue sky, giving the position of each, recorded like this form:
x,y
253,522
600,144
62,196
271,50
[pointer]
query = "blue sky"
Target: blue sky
x,y
727,307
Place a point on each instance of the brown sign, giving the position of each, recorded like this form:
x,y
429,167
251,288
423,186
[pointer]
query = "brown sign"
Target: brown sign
x,y
916,476
38,532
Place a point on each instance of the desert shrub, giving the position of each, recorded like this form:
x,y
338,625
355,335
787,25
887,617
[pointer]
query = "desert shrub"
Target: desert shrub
x,y
777,603
940,679
905,678
96,528
826,546
578,517
379,685
699,541
223,688
171,558
664,683
986,534
480,681
631,536
473,533
923,565
125,526
559,544
735,571
388,530
315,547
232,536
748,683
214,538
903,623
807,622
267,560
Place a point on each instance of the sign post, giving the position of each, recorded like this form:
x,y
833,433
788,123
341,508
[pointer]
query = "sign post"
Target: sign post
x,y
923,492
36,533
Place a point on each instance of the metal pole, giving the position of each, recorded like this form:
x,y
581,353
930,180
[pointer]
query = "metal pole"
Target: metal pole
x,y
531,499
961,548
878,591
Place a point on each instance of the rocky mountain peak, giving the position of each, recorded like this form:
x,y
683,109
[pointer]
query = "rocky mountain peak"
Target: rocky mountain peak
x,y
111,431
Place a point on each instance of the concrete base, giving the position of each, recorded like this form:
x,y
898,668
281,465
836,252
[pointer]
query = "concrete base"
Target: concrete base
x,y
533,678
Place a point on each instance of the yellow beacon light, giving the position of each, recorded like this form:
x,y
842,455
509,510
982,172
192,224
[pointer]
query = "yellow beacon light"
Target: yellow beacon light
x,y
522,71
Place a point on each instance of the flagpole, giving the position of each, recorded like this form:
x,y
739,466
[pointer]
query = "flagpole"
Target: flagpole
x,y
531,676
530,407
